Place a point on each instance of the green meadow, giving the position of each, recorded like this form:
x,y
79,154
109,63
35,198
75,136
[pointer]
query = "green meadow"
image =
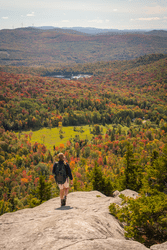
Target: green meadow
x,y
55,136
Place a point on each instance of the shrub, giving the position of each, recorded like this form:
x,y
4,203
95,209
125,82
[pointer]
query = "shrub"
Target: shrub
x,y
144,218
43,169
5,207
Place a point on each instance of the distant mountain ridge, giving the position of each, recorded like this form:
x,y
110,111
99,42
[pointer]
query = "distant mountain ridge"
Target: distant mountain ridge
x,y
93,31
46,46
162,33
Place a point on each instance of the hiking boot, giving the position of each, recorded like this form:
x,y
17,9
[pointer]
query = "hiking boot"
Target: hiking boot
x,y
62,202
65,198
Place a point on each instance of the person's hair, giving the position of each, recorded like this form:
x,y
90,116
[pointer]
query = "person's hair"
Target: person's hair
x,y
61,156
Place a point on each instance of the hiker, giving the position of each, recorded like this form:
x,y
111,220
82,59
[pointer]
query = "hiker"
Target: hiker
x,y
62,172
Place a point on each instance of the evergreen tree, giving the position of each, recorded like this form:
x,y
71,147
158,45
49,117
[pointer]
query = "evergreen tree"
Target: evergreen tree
x,y
97,179
156,173
105,160
128,121
133,174
43,190
112,135
154,156
100,182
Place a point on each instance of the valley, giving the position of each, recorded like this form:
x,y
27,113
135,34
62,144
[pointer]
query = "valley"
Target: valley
x,y
106,111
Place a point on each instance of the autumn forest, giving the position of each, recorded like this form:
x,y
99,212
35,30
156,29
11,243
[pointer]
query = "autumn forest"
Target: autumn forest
x,y
122,107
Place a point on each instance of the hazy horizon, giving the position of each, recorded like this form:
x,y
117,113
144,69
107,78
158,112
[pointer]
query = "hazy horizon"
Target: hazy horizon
x,y
102,14
49,27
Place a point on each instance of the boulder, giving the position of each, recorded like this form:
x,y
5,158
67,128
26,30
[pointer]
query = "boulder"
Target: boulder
x,y
162,246
116,193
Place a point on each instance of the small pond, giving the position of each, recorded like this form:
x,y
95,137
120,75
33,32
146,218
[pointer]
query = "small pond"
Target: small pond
x,y
69,76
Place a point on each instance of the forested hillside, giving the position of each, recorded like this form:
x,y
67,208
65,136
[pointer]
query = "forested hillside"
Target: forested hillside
x,y
111,96
36,47
129,99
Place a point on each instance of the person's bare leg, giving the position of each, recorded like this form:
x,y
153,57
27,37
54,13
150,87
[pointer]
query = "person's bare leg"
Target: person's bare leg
x,y
66,191
65,194
61,194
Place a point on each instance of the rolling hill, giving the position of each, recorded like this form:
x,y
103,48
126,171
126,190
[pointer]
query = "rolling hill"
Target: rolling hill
x,y
37,47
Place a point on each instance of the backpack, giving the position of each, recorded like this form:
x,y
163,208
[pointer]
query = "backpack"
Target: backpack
x,y
60,173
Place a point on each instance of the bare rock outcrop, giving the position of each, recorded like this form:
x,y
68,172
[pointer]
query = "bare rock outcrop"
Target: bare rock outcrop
x,y
84,223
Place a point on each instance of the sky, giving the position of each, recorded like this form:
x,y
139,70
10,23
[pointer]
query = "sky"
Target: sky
x,y
105,14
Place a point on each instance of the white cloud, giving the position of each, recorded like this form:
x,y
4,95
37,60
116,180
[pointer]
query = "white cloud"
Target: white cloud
x,y
105,6
115,9
56,5
65,21
155,10
107,21
95,21
32,14
146,19
5,17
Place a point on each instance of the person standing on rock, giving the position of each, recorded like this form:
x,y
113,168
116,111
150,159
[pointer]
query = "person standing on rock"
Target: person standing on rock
x,y
62,172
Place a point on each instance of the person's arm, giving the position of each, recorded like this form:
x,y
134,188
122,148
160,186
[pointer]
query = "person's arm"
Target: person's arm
x,y
69,171
54,168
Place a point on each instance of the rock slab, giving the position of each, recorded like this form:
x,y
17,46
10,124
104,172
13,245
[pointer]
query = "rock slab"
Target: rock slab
x,y
84,223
